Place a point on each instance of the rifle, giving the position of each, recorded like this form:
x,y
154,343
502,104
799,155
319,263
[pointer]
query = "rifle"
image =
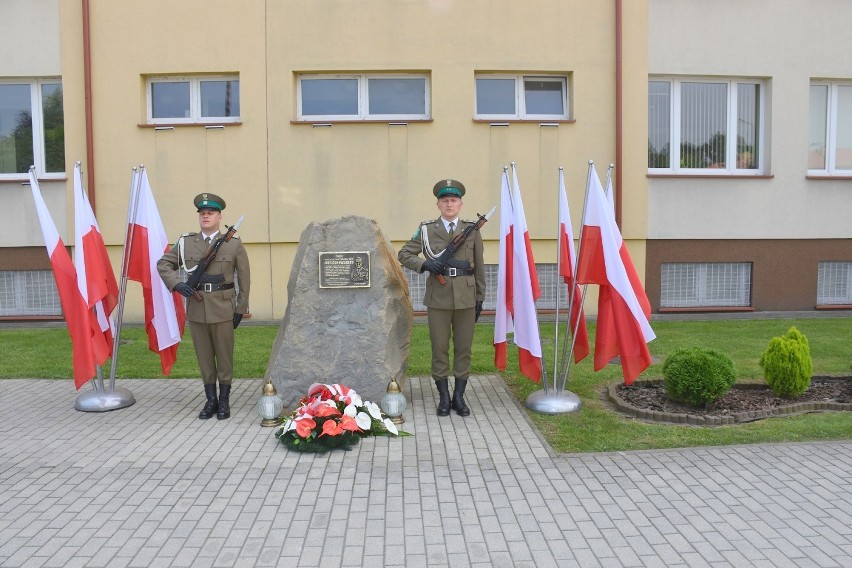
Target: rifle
x,y
195,279
447,254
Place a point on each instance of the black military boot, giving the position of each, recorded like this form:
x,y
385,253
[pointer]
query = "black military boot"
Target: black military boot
x,y
224,403
212,404
458,398
443,386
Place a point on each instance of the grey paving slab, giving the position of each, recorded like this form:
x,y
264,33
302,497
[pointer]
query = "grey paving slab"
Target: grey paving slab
x,y
151,485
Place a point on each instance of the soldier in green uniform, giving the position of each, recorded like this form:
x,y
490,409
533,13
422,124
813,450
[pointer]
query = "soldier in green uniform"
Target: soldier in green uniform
x,y
453,307
213,320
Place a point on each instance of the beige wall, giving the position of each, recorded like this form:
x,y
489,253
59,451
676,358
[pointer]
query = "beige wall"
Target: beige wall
x,y
788,43
283,175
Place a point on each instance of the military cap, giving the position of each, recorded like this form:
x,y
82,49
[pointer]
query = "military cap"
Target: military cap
x,y
448,187
209,201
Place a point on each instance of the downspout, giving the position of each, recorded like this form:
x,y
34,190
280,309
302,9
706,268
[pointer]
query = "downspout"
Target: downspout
x,y
87,81
619,134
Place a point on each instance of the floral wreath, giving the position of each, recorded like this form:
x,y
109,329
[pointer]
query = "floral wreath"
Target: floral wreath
x,y
333,416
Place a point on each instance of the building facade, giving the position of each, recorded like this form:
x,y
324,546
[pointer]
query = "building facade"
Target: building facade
x,y
305,111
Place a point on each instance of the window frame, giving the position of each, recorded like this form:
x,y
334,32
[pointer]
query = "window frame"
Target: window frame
x,y
830,141
363,98
194,99
520,99
37,117
675,140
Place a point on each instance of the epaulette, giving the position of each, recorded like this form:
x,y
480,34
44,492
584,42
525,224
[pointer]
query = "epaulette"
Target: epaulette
x,y
188,234
417,232
468,221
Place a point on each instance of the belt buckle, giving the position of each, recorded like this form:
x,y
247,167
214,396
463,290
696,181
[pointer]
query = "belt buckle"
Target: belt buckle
x,y
208,287
451,271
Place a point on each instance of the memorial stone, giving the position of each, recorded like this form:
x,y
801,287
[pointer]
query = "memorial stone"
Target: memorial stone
x,y
349,314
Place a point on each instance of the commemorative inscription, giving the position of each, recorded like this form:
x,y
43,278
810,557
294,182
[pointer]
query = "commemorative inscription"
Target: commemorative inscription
x,y
344,269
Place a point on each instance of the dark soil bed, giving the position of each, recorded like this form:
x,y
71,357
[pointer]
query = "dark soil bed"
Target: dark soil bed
x,y
743,403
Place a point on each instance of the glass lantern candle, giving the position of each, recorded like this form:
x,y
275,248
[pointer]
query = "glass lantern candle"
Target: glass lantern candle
x,y
393,403
270,405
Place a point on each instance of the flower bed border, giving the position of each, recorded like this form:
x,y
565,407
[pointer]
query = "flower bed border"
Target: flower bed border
x,y
738,418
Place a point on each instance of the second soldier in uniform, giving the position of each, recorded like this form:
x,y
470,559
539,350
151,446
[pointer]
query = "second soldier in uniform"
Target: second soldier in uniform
x,y
452,307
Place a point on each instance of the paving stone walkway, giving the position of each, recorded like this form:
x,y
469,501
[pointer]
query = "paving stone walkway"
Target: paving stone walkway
x,y
151,485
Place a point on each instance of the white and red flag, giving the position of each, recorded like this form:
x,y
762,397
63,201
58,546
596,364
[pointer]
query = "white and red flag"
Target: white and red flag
x,y
632,275
74,307
567,265
516,301
503,324
95,278
164,312
623,329
520,222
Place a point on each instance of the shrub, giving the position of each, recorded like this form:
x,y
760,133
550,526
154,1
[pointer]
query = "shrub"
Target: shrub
x,y
787,364
698,376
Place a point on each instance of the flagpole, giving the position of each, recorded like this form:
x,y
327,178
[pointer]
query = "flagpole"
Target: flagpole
x,y
556,358
558,401
577,268
133,203
115,397
565,362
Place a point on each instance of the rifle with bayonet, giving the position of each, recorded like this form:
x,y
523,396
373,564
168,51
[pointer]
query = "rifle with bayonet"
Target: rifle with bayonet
x,y
446,257
194,279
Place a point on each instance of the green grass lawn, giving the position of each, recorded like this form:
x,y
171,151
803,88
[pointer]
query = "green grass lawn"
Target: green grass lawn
x,y
45,353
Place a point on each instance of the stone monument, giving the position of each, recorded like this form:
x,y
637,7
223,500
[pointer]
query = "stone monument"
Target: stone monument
x,y
349,314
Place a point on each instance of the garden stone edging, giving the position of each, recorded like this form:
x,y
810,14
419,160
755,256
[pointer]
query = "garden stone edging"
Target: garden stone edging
x,y
707,420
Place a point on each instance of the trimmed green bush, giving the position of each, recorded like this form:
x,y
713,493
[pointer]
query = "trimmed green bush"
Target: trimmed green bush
x,y
698,376
787,364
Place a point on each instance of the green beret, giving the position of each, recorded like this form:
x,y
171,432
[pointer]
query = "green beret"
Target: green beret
x,y
209,201
448,187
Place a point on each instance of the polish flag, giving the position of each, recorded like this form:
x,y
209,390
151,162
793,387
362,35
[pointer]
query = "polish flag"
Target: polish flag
x,y
516,301
567,264
632,275
520,222
623,329
74,307
164,312
95,277
503,323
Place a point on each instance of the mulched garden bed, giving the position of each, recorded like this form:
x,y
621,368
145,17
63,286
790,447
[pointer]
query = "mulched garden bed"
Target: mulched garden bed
x,y
743,403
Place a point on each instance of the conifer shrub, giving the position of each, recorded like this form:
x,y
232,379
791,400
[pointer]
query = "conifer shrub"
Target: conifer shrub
x,y
787,364
698,376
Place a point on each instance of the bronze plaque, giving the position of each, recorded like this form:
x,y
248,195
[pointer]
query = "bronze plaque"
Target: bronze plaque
x,y
344,269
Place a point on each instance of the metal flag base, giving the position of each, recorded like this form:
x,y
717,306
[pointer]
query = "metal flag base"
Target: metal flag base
x,y
553,403
100,401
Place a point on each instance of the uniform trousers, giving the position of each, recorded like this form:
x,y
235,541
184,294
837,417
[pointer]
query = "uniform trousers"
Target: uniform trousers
x,y
460,325
214,349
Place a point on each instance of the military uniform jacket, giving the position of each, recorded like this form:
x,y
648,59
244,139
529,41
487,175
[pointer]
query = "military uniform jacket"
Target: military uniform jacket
x,y
220,305
460,292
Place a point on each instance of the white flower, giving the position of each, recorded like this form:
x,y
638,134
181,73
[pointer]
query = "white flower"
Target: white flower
x,y
391,427
363,420
288,425
355,398
374,410
350,410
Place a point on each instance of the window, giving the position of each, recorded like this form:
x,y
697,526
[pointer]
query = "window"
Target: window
x,y
706,126
705,284
32,128
830,134
193,100
521,97
834,283
363,97
28,293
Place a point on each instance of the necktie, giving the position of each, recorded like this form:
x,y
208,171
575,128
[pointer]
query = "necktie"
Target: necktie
x,y
207,240
450,231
